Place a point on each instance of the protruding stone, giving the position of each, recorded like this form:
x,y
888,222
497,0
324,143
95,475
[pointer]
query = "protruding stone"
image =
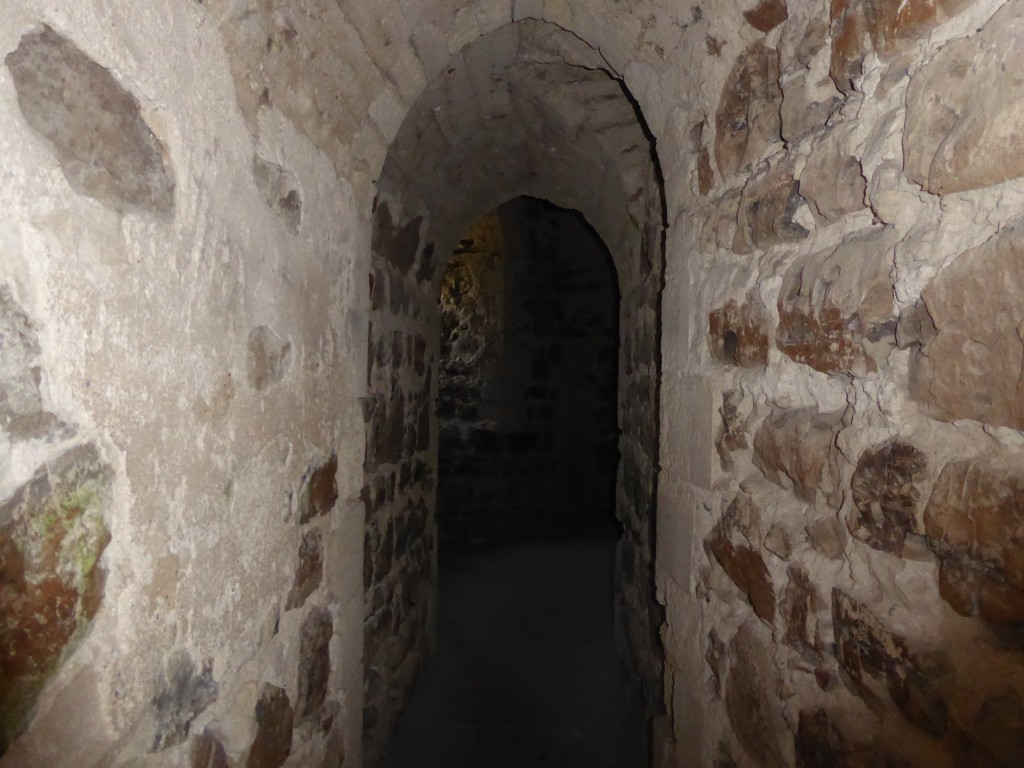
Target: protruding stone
x,y
740,557
182,694
767,15
208,752
974,525
269,357
819,743
751,699
52,535
887,493
93,124
747,121
879,661
274,722
800,608
794,448
964,114
319,490
738,334
827,536
969,365
883,27
832,180
809,96
836,307
767,210
314,662
310,569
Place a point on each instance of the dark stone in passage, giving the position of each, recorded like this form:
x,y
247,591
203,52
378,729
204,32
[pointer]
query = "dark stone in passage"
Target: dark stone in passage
x,y
310,570
274,721
319,491
314,661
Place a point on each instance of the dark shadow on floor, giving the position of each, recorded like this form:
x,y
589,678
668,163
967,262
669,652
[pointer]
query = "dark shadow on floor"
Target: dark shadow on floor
x,y
524,673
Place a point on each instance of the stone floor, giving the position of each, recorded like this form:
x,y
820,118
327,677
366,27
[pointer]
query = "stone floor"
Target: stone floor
x,y
524,673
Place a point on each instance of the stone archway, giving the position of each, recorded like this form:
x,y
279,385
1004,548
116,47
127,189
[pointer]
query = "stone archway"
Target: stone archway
x,y
527,110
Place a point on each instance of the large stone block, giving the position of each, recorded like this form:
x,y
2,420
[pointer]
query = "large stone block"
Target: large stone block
x,y
314,662
794,447
274,721
882,667
738,552
767,15
92,123
748,120
52,535
884,27
751,698
974,525
767,209
836,307
965,108
889,489
969,334
739,333
832,180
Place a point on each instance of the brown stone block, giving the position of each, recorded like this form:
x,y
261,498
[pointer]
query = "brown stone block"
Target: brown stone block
x,y
964,113
836,307
888,492
879,661
766,210
971,344
747,121
767,15
882,26
974,526
314,662
309,571
274,722
832,180
738,334
751,697
93,124
797,444
51,583
319,490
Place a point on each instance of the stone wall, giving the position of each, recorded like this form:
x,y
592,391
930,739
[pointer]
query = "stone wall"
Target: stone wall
x,y
185,245
857,359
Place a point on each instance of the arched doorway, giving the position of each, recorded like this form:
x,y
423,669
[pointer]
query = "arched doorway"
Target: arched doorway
x,y
526,110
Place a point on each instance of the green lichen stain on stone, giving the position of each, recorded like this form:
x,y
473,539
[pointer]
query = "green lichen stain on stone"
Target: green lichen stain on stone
x,y
52,537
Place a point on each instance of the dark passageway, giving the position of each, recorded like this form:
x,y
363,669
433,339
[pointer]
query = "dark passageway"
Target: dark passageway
x,y
525,671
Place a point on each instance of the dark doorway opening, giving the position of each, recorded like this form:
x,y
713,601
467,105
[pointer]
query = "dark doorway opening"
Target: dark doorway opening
x,y
525,671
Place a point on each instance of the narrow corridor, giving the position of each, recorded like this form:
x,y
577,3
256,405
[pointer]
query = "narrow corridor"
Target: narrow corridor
x,y
524,673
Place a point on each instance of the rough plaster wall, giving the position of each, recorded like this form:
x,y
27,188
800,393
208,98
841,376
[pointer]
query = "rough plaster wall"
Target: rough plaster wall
x,y
206,350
